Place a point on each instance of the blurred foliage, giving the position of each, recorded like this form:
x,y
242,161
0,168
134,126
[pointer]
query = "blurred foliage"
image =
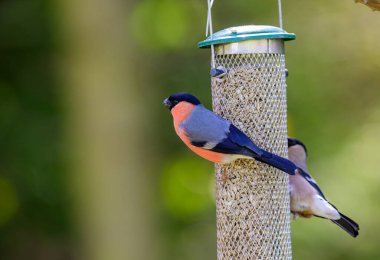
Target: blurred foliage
x,y
160,24
33,203
333,106
185,187
8,201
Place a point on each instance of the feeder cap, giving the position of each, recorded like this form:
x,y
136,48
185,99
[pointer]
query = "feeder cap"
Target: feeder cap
x,y
246,32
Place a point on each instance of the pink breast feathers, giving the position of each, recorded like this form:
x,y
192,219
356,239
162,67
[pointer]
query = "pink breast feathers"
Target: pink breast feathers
x,y
180,112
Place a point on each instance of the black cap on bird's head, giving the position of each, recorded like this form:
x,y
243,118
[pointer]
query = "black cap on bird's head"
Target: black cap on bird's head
x,y
176,98
293,142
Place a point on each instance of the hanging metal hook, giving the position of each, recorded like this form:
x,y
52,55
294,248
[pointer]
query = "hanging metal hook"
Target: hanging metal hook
x,y
209,30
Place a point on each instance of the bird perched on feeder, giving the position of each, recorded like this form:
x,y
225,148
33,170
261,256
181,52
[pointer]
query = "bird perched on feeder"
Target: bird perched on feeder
x,y
373,4
306,198
215,138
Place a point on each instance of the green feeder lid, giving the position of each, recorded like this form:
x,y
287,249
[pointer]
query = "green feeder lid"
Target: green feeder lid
x,y
247,32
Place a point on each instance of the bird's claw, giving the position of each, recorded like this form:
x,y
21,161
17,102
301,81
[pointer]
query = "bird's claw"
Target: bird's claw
x,y
224,177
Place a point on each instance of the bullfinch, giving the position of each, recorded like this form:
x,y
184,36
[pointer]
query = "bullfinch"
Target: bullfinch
x,y
215,138
306,198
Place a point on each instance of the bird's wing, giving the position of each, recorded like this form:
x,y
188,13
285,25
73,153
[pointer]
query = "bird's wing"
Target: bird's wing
x,y
204,128
234,142
239,138
212,132
311,181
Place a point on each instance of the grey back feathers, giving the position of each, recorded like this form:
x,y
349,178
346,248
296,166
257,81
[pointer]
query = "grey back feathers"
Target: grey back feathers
x,y
203,125
297,154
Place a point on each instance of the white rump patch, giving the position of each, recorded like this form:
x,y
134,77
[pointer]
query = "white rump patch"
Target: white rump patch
x,y
324,209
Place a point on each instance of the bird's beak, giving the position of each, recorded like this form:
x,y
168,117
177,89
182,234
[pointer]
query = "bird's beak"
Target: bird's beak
x,y
167,103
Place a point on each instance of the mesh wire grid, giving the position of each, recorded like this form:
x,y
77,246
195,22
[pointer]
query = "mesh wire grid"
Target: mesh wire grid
x,y
252,199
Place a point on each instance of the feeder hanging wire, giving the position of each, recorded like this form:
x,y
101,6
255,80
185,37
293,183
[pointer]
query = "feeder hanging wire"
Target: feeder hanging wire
x,y
209,29
280,13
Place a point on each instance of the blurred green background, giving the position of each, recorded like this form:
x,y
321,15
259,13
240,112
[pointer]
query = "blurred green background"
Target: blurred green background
x,y
90,167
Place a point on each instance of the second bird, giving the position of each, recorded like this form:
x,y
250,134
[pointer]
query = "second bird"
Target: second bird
x,y
306,198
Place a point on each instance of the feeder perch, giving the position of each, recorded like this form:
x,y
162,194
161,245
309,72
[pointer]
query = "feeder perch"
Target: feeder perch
x,y
253,215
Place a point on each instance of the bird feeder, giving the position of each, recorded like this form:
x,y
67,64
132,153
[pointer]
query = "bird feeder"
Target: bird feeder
x,y
252,199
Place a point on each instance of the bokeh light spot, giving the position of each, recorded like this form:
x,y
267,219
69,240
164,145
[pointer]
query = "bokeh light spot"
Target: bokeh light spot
x,y
9,202
185,186
160,25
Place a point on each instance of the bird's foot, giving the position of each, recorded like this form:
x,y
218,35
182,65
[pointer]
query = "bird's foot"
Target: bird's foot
x,y
223,176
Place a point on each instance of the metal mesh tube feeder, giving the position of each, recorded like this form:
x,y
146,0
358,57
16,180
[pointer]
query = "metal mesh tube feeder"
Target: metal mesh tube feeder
x,y
253,216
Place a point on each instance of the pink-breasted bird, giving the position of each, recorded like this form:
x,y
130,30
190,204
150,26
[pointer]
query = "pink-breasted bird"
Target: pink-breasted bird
x,y
306,198
215,138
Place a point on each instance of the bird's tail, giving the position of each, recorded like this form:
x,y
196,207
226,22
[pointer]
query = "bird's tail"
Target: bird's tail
x,y
348,225
278,162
